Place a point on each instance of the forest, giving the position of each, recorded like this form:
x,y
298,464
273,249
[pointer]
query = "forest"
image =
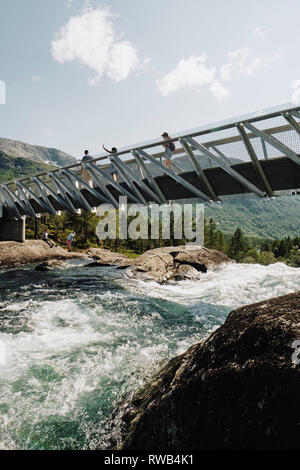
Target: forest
x,y
239,247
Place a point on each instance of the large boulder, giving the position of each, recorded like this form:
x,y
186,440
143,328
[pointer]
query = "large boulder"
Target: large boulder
x,y
158,266
163,264
239,389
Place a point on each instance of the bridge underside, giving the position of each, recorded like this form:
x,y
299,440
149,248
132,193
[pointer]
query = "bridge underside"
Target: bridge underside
x,y
282,173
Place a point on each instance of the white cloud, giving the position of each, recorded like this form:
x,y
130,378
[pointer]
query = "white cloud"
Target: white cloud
x,y
260,32
219,91
90,38
243,62
194,73
36,78
296,90
189,73
226,72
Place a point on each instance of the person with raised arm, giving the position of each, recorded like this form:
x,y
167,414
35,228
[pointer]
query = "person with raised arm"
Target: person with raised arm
x,y
112,169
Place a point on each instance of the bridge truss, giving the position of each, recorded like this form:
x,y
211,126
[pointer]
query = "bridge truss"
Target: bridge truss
x,y
256,154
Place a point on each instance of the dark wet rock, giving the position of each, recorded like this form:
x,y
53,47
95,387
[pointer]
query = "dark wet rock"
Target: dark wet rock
x,y
98,264
239,389
50,265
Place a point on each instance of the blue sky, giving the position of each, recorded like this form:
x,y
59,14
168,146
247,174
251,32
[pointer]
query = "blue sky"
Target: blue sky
x,y
81,73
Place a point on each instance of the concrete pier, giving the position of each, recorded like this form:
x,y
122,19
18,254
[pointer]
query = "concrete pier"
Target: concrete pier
x,y
12,230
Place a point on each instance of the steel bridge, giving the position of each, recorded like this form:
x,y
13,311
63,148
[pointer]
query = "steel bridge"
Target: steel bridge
x,y
256,154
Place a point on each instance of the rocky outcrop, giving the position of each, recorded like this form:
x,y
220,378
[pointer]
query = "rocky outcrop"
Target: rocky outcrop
x,y
239,389
163,264
32,251
104,257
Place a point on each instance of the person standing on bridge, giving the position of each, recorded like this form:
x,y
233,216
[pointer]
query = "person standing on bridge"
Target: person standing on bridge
x,y
70,240
169,149
45,239
84,173
112,169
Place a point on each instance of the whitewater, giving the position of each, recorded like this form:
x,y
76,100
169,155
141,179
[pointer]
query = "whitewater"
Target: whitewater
x,y
78,342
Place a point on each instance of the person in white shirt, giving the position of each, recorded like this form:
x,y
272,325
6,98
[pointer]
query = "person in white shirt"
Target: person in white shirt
x,y
70,240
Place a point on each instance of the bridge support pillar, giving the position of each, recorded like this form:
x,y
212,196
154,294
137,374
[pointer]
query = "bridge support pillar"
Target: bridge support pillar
x,y
12,230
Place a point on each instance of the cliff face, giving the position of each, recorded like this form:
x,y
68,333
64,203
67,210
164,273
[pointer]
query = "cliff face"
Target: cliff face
x,y
239,389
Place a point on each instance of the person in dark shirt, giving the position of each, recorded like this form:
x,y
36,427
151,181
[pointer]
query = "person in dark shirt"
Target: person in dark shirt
x,y
84,173
169,149
87,157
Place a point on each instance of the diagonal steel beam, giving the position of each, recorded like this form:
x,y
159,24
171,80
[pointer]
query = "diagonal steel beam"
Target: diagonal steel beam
x,y
203,178
136,180
48,205
98,183
26,208
252,188
295,113
263,144
274,142
26,200
150,178
85,185
27,190
60,200
140,167
95,172
129,181
65,192
256,163
10,203
289,118
175,177
74,192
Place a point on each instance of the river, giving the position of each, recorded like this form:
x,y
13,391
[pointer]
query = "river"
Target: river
x,y
77,342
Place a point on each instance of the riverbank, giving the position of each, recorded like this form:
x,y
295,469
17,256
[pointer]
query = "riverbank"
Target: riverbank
x,y
13,254
160,264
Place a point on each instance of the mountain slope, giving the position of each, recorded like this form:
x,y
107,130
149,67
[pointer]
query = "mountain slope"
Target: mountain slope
x,y
14,148
265,218
12,168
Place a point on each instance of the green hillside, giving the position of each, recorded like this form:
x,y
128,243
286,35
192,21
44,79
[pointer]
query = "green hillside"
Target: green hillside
x,y
265,218
12,167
